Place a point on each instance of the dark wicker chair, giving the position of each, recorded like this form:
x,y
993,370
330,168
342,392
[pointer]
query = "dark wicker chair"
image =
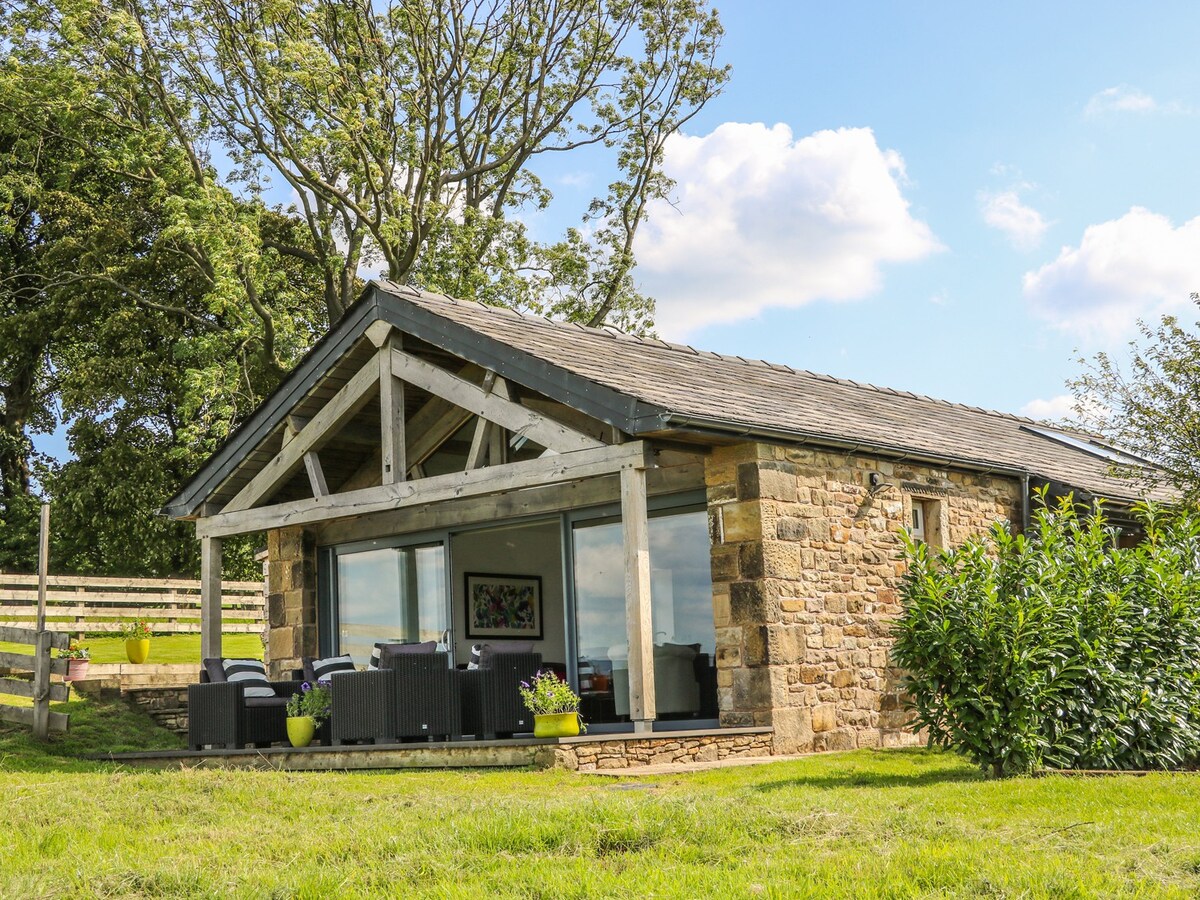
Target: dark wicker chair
x,y
491,702
427,702
362,707
221,715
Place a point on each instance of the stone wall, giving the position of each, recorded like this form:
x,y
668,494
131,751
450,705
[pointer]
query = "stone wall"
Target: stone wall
x,y
588,755
291,599
805,566
166,705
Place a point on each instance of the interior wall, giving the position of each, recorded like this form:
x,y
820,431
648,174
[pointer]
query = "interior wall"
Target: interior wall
x,y
527,549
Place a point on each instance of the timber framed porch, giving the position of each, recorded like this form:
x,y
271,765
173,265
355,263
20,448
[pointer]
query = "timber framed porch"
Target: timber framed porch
x,y
584,753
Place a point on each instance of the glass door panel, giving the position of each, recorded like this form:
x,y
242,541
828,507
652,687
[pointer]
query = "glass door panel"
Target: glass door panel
x,y
684,631
390,594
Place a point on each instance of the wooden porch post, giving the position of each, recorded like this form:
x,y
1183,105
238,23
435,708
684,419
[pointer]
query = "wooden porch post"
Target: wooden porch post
x,y
638,618
391,416
210,598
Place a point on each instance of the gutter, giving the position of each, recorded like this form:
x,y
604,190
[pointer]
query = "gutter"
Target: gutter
x,y
721,427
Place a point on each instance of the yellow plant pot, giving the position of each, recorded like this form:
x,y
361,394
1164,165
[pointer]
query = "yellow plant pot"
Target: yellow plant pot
x,y
137,650
556,725
300,730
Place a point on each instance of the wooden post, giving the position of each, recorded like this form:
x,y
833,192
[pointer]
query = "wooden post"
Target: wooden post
x,y
41,653
43,565
210,598
638,609
391,417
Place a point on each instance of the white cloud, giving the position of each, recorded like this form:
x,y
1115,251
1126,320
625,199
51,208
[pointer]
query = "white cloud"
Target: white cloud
x,y
1126,99
1023,225
1137,266
1060,407
760,219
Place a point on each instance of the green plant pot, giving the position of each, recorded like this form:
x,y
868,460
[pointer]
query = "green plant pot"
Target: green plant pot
x,y
556,725
137,650
300,730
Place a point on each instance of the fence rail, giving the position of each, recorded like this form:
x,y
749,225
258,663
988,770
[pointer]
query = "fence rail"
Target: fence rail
x,y
93,605
39,688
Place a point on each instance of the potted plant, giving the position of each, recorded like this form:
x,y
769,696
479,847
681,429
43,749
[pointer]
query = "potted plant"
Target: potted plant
x,y
78,659
137,640
554,705
306,710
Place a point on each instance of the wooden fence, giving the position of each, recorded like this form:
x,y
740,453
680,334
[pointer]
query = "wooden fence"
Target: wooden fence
x,y
83,604
39,689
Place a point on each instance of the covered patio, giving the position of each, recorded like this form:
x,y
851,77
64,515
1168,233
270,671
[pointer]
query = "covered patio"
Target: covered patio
x,y
416,486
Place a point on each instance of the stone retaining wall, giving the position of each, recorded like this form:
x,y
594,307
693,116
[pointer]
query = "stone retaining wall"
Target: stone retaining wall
x,y
587,755
167,706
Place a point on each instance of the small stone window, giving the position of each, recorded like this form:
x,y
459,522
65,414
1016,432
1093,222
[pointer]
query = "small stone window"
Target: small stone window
x,y
925,521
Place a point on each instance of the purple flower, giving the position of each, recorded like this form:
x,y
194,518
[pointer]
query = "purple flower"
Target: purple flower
x,y
525,684
305,686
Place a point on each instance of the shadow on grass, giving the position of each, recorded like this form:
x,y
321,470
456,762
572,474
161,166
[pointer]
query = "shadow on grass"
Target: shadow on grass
x,y
882,769
95,726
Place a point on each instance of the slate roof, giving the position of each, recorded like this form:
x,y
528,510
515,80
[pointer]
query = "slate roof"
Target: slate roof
x,y
652,387
698,390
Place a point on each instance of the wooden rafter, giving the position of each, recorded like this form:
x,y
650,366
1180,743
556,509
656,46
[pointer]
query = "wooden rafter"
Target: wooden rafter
x,y
491,406
341,408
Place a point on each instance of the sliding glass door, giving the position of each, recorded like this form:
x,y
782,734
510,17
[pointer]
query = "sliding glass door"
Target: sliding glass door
x,y
390,594
681,598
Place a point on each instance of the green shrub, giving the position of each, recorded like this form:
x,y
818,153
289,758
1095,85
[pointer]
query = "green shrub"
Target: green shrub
x,y
1058,649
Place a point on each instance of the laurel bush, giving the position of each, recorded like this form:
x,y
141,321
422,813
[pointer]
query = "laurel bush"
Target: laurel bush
x,y
1058,648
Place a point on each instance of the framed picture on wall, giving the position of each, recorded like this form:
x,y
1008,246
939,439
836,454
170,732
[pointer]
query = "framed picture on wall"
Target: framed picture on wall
x,y
504,606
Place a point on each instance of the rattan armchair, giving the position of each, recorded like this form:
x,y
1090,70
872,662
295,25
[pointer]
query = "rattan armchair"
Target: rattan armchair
x,y
490,696
221,715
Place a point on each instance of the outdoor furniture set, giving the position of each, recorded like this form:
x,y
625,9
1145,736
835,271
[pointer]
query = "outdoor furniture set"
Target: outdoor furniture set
x,y
414,694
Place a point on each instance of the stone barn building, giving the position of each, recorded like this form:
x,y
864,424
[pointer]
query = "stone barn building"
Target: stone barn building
x,y
700,542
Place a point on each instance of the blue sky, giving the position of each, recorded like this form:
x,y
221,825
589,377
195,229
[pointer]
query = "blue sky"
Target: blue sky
x,y
946,198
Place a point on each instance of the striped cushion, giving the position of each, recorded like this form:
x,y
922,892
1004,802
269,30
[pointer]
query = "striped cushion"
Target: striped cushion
x,y
324,669
250,672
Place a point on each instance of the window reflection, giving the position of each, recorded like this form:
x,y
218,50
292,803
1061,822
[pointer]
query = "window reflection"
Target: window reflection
x,y
684,633
390,594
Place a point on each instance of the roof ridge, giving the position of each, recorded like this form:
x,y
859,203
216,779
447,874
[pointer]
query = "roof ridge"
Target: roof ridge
x,y
614,333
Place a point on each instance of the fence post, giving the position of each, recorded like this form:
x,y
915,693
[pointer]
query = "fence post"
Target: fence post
x,y
41,658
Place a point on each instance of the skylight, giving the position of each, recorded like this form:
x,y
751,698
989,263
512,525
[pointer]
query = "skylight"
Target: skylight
x,y
1089,445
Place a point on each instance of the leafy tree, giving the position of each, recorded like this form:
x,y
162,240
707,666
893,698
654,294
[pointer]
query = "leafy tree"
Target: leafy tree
x,y
1151,405
411,131
139,300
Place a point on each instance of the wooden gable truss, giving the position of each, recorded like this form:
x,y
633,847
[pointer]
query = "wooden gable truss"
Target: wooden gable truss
x,y
393,478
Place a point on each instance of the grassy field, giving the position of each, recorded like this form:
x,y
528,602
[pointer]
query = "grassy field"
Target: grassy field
x,y
164,648
867,824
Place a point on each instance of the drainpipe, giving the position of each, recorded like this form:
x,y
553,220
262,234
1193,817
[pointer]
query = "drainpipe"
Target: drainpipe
x,y
1025,504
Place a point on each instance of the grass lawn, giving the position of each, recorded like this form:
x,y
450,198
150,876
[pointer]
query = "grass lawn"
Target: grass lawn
x,y
164,648
865,824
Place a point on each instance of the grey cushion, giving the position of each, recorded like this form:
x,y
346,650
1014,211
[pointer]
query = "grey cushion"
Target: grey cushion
x,y
266,701
377,652
216,670
391,650
487,651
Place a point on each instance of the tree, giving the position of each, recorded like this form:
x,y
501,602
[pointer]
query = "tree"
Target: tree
x,y
139,300
411,131
1151,406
